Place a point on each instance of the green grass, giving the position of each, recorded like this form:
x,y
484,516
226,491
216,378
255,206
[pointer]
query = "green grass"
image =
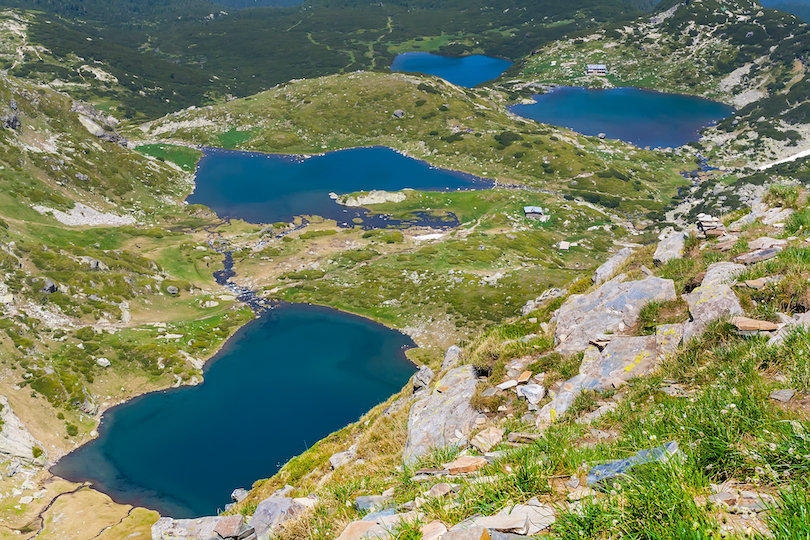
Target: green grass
x,y
182,156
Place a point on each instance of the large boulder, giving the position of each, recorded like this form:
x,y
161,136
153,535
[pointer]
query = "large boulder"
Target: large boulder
x,y
670,248
444,417
708,303
272,512
612,265
610,309
623,358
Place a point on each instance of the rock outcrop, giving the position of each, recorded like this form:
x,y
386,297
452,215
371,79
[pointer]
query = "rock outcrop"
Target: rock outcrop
x,y
372,197
15,439
611,266
610,309
444,417
622,359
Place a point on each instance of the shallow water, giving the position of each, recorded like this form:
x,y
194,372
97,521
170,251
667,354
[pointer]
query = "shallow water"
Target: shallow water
x,y
467,71
282,383
268,188
640,117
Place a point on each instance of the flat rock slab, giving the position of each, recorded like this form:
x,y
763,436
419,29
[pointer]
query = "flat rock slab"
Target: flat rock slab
x,y
533,393
612,265
670,248
473,533
433,530
466,464
372,503
707,304
747,325
783,395
487,439
610,309
611,469
758,255
766,243
443,418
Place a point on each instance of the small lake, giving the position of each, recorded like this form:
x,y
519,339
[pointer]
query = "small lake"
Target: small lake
x,y
641,117
282,383
268,188
467,71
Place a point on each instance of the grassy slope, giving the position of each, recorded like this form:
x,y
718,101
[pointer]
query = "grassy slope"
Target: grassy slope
x,y
726,426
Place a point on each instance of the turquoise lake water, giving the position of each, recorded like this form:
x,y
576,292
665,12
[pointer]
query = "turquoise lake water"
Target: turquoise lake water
x,y
281,384
268,188
467,71
640,117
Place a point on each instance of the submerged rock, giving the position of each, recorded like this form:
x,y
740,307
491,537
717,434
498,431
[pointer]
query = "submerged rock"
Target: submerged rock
x,y
444,417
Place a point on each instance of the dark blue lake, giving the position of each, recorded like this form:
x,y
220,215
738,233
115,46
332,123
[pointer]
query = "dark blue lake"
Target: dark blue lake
x,y
467,71
282,383
640,117
268,188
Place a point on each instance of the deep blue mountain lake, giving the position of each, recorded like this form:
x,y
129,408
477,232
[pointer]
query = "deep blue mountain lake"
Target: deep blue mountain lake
x,y
467,71
640,117
282,383
268,188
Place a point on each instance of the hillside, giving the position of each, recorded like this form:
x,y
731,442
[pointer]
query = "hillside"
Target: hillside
x,y
162,64
730,404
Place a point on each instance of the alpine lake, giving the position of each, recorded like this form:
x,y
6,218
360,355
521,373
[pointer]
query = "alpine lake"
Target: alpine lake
x,y
300,372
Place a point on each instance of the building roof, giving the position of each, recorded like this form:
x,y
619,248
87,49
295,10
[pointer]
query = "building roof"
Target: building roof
x,y
597,66
532,210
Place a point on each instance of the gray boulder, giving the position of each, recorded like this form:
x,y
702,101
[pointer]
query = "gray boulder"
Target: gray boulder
x,y
722,273
611,266
444,417
451,357
610,309
670,248
49,286
708,303
185,529
343,458
422,378
271,513
239,494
